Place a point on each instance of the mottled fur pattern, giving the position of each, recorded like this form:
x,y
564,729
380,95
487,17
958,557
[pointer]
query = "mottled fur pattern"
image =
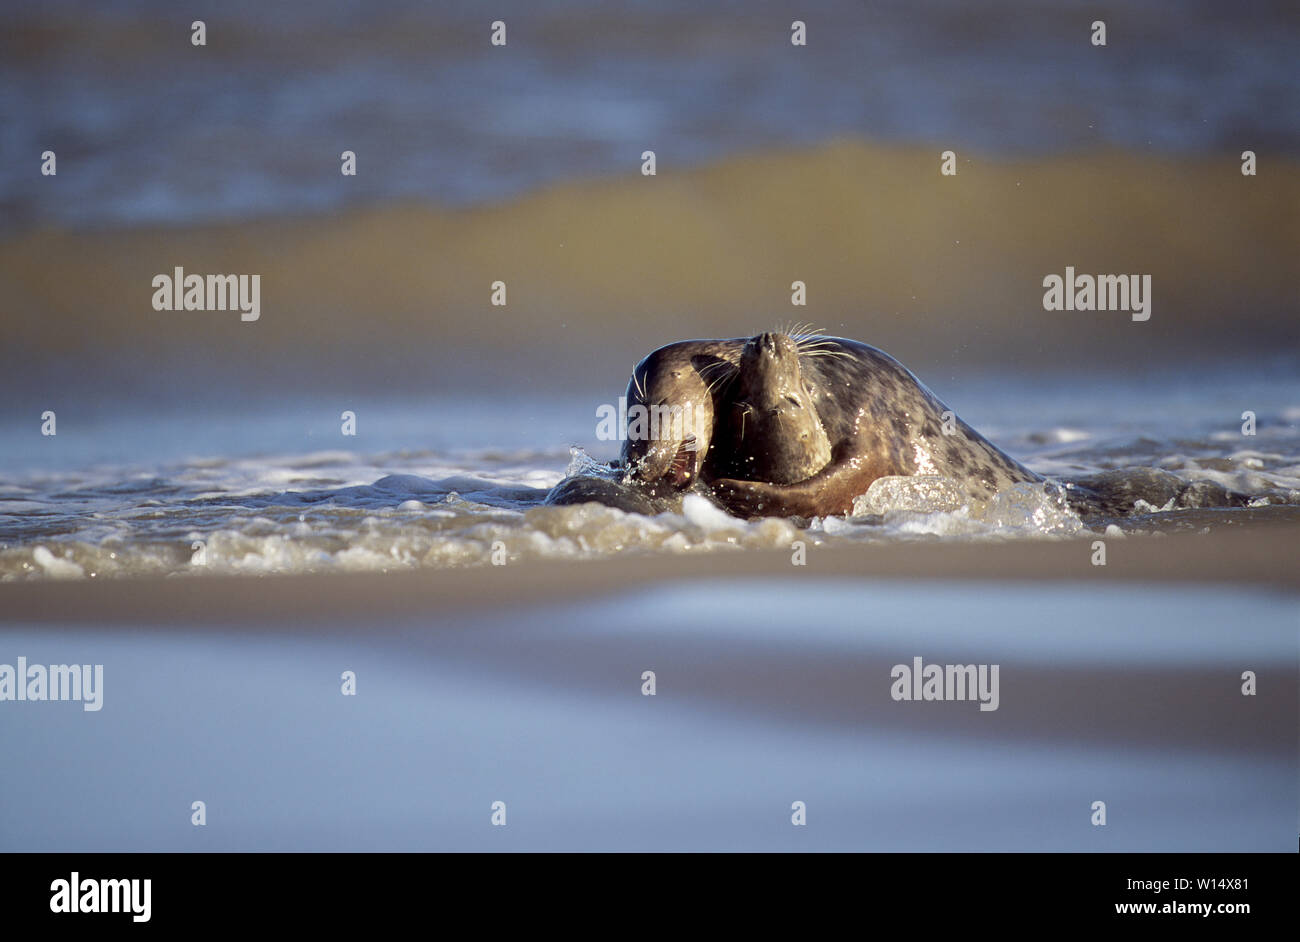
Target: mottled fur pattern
x,y
876,417
880,421
755,447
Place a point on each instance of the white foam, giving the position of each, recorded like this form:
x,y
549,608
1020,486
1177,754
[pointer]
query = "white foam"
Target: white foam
x,y
55,567
342,510
705,515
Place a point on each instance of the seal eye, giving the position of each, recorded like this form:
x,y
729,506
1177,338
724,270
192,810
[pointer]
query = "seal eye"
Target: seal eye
x,y
793,401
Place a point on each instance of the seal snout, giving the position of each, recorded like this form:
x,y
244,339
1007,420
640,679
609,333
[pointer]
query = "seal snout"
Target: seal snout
x,y
770,345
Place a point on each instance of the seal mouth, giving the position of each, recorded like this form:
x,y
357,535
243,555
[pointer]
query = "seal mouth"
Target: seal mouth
x,y
677,472
683,466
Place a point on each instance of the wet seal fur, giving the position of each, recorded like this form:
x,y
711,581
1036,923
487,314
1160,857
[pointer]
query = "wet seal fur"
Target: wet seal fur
x,y
790,424
770,429
878,420
797,424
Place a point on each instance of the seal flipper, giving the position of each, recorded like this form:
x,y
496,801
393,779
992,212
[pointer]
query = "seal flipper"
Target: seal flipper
x,y
829,492
594,490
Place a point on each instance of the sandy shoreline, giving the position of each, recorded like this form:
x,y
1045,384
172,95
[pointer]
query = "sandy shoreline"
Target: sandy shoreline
x,y
523,684
774,685
1263,555
942,272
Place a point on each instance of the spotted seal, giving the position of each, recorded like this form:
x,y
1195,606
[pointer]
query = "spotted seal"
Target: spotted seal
x,y
793,424
878,419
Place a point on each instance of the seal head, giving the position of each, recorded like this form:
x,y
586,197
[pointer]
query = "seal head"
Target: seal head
x,y
671,409
772,430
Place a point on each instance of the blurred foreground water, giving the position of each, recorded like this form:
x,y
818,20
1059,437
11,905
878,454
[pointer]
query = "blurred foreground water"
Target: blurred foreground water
x,y
767,692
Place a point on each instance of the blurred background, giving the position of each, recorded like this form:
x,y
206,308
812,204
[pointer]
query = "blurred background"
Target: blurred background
x,y
775,163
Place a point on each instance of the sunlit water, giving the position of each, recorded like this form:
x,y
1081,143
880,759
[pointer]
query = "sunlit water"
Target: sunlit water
x,y
443,484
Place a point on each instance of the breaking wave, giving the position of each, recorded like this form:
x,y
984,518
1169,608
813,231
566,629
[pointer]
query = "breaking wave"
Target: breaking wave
x,y
339,511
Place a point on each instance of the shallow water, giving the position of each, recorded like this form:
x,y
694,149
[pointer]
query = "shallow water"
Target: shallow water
x,y
768,692
444,483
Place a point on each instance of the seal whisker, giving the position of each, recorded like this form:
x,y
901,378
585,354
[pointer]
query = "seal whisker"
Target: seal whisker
x,y
720,382
798,332
823,353
726,372
745,409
